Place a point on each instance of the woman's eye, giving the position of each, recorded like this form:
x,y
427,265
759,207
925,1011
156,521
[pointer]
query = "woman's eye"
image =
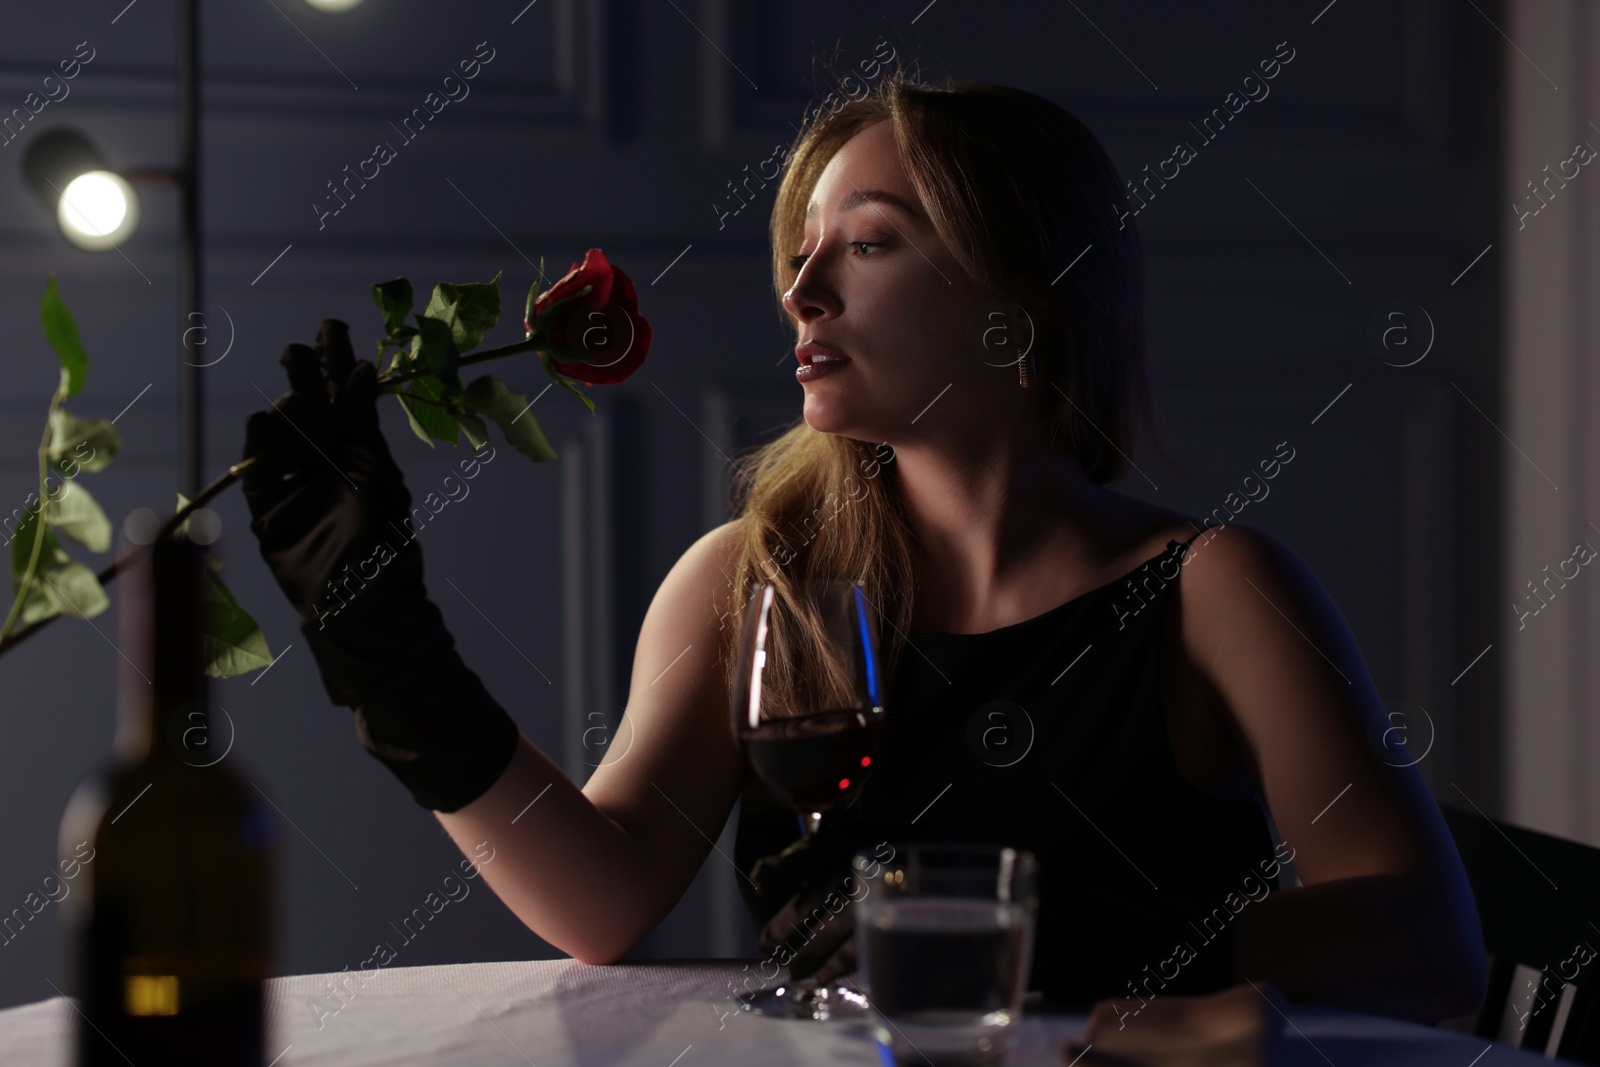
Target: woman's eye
x,y
798,260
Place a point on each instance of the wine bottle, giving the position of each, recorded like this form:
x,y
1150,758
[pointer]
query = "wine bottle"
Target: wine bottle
x,y
173,935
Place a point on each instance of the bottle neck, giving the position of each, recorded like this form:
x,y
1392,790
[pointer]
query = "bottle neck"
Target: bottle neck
x,y
154,729
162,714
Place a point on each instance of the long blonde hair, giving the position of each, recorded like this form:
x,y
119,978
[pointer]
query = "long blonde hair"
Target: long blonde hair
x,y
1017,188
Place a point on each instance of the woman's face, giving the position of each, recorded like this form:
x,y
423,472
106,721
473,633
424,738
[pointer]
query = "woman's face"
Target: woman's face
x,y
879,287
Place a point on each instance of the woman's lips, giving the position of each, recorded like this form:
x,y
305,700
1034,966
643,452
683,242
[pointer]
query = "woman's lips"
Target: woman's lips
x,y
807,371
816,352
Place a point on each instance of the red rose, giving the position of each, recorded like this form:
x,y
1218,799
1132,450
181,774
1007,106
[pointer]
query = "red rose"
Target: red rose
x,y
599,337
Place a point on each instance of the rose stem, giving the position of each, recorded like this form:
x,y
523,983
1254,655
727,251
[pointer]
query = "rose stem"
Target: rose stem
x,y
107,576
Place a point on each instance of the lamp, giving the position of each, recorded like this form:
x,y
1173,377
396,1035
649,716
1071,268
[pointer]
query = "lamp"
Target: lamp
x,y
333,5
96,208
94,205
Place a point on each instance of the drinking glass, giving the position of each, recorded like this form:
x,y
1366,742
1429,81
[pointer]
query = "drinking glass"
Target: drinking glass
x,y
944,938
808,711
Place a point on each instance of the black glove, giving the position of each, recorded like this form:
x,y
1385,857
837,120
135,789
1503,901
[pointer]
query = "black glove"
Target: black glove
x,y
331,512
816,919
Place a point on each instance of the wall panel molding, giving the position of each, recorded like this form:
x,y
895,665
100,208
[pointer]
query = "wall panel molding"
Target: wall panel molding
x,y
1552,392
591,713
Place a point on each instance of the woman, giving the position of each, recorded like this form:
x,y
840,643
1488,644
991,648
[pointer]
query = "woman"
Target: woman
x,y
924,235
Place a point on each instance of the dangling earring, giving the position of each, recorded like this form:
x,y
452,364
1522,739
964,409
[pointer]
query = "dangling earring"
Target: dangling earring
x,y
1027,367
1027,370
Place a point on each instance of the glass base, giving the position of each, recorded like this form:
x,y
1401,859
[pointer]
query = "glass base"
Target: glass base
x,y
944,1039
806,999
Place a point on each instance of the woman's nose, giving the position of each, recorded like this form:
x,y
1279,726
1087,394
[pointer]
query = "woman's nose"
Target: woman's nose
x,y
810,297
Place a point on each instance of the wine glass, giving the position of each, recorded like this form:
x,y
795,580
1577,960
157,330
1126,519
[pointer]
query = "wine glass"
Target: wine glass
x,y
808,710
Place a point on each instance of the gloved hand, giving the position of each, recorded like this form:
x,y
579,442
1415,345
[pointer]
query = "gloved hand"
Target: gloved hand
x,y
816,919
331,512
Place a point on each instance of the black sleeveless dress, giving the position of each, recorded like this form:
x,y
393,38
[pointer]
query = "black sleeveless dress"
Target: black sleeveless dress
x,y
1048,735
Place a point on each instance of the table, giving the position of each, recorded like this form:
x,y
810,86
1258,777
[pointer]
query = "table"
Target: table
x,y
654,1013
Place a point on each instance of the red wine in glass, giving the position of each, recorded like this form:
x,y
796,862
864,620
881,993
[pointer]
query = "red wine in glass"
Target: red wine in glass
x,y
808,709
815,762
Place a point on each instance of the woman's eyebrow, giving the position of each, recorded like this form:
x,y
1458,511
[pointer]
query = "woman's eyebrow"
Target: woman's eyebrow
x,y
870,196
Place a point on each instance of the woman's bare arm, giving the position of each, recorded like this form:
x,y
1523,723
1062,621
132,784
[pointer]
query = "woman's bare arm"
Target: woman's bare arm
x,y
1384,921
592,870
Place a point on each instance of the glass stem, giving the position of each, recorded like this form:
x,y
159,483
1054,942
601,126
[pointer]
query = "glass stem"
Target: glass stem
x,y
810,821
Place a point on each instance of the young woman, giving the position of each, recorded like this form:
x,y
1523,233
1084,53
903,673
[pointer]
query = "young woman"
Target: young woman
x,y
967,254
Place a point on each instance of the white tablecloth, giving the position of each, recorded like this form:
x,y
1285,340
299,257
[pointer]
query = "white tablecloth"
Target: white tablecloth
x,y
562,1013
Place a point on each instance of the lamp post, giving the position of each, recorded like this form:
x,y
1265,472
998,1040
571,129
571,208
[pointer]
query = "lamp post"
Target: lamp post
x,y
189,388
187,178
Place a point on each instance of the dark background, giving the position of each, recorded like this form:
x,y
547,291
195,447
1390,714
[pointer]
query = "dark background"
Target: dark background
x,y
1368,177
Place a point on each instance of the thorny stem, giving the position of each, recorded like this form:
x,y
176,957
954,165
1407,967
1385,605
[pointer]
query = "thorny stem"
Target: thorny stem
x,y
389,383
514,349
107,576
9,638
38,522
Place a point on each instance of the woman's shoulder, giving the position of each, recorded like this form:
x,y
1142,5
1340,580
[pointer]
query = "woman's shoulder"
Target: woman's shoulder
x,y
1221,565
1249,601
1234,550
709,561
1222,557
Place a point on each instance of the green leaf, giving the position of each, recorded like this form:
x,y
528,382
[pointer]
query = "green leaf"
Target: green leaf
x,y
435,348
434,412
400,362
71,588
572,385
533,295
398,341
408,405
470,309
425,405
62,332
60,586
233,641
569,298
80,444
564,380
395,300
477,433
22,544
509,411
75,513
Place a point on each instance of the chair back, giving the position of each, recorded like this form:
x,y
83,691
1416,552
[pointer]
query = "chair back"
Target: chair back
x,y
1539,902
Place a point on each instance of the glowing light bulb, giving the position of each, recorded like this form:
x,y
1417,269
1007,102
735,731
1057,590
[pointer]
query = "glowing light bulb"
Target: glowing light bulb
x,y
97,210
333,5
